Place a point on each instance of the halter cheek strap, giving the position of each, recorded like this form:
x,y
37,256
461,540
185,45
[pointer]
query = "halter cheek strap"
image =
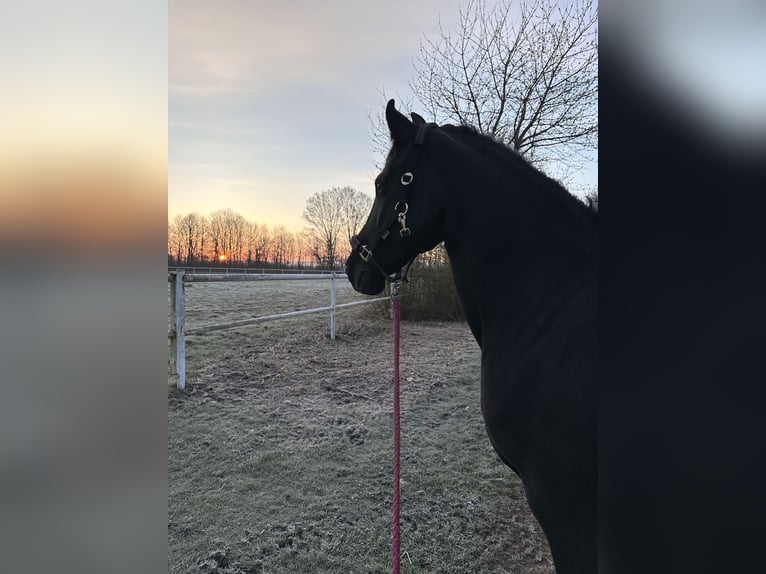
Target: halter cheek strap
x,y
366,250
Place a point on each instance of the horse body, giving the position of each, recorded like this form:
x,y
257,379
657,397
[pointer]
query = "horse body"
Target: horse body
x,y
524,263
534,316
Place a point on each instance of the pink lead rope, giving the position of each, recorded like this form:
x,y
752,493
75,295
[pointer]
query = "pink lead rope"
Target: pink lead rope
x,y
395,554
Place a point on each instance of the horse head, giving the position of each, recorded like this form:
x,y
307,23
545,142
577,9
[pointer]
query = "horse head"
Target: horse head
x,y
405,219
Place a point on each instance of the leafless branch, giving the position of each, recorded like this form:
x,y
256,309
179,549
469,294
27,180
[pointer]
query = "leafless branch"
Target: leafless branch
x,y
528,76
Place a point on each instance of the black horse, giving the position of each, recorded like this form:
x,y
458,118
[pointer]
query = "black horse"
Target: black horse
x,y
524,259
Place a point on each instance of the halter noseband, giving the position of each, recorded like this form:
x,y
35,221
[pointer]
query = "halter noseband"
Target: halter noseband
x,y
366,250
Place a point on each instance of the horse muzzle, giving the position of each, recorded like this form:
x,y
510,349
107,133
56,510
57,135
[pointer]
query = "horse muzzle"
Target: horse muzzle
x,y
363,277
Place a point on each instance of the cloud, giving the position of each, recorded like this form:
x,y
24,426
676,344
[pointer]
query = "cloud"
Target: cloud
x,y
253,47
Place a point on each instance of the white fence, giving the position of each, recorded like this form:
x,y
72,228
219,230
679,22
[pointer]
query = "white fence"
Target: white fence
x,y
191,270
177,332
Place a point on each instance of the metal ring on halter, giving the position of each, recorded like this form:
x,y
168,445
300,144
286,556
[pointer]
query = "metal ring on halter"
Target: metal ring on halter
x,y
406,207
407,178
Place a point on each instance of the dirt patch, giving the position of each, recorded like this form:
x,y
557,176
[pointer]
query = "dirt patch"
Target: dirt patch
x,y
280,455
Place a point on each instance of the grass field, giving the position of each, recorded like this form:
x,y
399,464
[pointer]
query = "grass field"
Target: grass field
x,y
279,451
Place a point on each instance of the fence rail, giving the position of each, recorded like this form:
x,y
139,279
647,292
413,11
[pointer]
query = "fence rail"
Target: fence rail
x,y
206,277
196,270
177,332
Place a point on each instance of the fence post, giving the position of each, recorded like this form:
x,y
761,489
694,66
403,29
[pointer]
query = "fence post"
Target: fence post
x,y
332,307
171,326
177,321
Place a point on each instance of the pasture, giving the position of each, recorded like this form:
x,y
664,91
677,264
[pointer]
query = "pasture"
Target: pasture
x,y
279,449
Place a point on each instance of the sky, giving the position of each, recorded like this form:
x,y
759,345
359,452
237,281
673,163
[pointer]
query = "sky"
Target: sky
x,y
269,102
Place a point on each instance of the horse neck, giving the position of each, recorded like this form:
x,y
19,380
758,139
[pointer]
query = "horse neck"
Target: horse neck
x,y
511,253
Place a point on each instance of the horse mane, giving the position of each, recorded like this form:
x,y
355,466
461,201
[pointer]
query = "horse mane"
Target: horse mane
x,y
488,146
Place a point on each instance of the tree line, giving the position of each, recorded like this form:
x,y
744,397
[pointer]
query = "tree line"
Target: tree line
x,y
227,238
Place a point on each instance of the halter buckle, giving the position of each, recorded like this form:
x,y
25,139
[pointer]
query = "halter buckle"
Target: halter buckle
x,y
364,253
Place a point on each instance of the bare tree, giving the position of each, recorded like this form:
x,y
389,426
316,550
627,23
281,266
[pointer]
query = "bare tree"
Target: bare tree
x,y
529,77
302,249
217,233
227,232
262,243
355,205
291,248
323,214
332,216
257,243
202,234
191,230
238,232
175,242
250,228
283,246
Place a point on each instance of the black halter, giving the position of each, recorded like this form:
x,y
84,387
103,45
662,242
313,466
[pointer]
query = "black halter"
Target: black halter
x,y
365,251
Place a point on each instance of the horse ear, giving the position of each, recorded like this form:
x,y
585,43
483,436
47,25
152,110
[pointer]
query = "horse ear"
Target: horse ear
x,y
417,119
400,127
